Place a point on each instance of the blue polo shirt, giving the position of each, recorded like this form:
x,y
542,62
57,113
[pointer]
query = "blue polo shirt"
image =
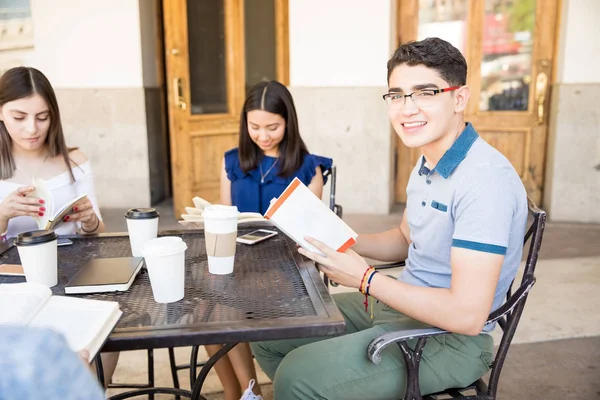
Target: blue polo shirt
x,y
474,199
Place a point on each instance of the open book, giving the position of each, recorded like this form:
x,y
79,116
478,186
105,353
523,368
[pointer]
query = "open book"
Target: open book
x,y
193,215
85,323
299,213
52,218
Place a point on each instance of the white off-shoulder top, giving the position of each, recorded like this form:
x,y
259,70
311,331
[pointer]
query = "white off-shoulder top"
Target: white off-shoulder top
x,y
62,191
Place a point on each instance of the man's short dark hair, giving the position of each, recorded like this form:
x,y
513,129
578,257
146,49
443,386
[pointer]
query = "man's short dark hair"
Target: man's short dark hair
x,y
433,53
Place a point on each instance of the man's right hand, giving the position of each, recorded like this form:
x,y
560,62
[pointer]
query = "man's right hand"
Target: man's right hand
x,y
19,204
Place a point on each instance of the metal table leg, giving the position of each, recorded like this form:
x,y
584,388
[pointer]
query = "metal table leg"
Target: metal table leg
x,y
197,384
197,387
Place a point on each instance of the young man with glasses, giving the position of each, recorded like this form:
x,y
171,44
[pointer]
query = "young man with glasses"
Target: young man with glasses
x,y
461,236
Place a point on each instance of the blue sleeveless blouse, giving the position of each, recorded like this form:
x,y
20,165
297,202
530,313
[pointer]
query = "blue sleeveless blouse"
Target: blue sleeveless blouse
x,y
249,194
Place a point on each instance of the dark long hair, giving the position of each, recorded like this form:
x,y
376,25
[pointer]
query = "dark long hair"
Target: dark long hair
x,y
18,83
275,98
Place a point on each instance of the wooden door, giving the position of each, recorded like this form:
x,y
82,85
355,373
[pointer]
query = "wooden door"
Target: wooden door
x,y
214,51
509,47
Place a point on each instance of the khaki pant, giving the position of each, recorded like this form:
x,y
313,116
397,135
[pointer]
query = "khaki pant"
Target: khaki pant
x,y
338,367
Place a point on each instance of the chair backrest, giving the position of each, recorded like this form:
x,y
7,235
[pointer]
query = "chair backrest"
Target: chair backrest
x,y
509,314
331,175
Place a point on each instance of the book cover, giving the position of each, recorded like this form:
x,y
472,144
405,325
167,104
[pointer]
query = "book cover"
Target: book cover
x,y
51,218
102,275
299,213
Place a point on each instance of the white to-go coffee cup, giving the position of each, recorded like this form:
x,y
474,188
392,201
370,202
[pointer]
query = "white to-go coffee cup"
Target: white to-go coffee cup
x,y
142,225
220,232
165,262
37,251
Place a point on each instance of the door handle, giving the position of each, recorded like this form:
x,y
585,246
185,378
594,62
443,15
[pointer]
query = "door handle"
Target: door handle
x,y
179,97
541,88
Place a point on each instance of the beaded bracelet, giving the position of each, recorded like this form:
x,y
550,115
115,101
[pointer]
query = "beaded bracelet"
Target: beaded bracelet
x,y
369,281
361,288
364,286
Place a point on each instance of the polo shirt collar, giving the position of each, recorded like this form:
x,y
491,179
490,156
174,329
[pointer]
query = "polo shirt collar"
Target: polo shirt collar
x,y
454,155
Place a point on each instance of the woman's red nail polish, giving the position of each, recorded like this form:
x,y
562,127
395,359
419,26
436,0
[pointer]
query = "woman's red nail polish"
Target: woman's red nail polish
x,y
67,218
42,201
42,208
75,208
41,214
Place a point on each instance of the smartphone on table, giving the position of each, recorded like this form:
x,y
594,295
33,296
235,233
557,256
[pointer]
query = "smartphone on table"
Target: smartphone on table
x,y
256,236
64,242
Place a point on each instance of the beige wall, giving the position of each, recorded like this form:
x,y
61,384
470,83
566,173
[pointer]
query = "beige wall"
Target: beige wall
x,y
337,77
572,190
349,125
109,126
101,59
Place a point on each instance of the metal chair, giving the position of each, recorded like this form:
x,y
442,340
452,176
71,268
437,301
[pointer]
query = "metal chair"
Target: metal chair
x,y
331,174
507,316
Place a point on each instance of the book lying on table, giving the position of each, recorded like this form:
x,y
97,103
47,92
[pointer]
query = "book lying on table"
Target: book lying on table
x,y
11,270
101,275
51,218
85,323
298,212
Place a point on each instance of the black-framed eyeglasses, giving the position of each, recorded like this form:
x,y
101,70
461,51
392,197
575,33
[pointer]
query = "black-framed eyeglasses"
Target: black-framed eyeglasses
x,y
421,98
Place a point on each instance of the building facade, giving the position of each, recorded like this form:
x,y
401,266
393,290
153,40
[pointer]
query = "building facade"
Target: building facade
x,y
150,90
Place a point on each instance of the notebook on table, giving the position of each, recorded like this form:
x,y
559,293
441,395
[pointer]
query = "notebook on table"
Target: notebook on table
x,y
102,275
12,270
85,323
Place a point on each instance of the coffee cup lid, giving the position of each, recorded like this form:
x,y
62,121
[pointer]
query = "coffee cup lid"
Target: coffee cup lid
x,y
163,246
220,211
141,213
35,237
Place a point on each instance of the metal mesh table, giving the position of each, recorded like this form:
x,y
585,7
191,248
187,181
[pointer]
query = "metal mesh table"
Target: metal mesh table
x,y
274,293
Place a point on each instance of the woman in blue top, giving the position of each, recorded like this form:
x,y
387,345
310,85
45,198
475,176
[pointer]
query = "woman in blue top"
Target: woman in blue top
x,y
271,152
270,155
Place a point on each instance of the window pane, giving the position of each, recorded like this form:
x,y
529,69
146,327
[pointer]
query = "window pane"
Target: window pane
x,y
206,40
507,45
446,19
259,30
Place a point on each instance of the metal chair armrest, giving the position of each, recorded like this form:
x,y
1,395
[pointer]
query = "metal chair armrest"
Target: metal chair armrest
x,y
512,302
377,345
389,265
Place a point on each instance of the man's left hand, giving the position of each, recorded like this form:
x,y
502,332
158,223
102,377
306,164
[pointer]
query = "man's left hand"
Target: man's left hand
x,y
347,268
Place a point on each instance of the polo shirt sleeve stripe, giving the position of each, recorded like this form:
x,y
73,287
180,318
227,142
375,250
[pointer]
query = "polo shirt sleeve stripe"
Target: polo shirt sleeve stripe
x,y
484,247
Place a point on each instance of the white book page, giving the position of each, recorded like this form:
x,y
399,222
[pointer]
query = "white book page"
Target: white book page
x,y
19,302
59,215
79,320
304,214
43,192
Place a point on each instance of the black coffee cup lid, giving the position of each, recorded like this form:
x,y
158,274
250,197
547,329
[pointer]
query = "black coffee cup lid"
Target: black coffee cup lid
x,y
141,213
35,237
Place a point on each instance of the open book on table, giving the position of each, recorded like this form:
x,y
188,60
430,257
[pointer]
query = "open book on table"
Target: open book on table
x,y
299,213
85,323
52,217
193,215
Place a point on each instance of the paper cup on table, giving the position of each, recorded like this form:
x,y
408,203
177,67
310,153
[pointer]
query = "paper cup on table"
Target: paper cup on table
x,y
220,232
142,225
165,262
38,254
